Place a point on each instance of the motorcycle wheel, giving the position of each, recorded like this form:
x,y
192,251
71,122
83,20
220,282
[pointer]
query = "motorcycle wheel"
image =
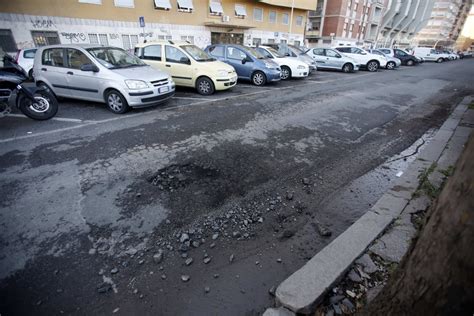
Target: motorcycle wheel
x,y
44,107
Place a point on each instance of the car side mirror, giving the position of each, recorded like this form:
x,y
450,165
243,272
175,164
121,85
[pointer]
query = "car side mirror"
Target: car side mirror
x,y
185,60
363,53
90,67
338,56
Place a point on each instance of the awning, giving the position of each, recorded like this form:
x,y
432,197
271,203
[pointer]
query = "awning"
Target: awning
x,y
216,8
240,10
162,4
185,4
228,26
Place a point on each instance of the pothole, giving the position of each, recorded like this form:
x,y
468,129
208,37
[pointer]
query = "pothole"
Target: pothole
x,y
176,177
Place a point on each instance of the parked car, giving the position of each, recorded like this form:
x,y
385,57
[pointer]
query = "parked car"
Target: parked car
x,y
25,58
392,62
328,58
406,58
369,61
451,55
188,65
290,67
102,74
248,63
295,52
430,54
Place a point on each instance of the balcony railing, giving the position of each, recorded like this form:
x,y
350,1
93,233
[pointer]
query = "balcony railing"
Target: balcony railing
x,y
313,33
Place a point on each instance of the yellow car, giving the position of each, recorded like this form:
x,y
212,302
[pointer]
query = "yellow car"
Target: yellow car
x,y
188,65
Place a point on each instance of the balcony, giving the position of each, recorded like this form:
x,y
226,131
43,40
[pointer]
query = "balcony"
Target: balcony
x,y
313,34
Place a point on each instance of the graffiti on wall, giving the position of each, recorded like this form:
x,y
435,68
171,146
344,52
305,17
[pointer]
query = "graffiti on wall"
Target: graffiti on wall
x,y
114,36
147,34
74,37
42,23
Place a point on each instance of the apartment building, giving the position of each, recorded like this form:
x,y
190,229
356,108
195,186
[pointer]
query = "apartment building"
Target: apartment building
x,y
343,22
123,23
444,24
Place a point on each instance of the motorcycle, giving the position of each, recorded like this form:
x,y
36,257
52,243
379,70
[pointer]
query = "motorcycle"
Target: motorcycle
x,y
37,103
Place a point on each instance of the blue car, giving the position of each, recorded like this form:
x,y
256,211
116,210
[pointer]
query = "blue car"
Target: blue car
x,y
248,63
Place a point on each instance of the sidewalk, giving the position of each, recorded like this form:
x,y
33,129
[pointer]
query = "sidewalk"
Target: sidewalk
x,y
381,237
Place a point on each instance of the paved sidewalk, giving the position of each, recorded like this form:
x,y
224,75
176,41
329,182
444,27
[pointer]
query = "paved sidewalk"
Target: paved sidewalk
x,y
391,218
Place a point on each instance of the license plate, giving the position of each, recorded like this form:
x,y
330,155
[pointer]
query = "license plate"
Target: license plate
x,y
163,89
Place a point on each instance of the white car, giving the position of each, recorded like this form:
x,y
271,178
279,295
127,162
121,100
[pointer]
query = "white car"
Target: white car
x,y
25,58
291,67
430,54
369,61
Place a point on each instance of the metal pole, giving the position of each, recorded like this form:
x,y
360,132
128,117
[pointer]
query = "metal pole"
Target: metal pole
x,y
291,17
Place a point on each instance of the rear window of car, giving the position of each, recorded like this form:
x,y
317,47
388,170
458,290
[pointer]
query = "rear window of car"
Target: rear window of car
x,y
30,53
53,57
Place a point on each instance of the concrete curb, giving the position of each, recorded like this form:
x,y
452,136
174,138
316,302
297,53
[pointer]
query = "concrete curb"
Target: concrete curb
x,y
306,287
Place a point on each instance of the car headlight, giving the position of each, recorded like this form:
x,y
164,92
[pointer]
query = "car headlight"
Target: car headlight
x,y
270,66
222,73
301,67
136,84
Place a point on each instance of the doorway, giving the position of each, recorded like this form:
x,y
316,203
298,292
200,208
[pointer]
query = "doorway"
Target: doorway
x,y
227,38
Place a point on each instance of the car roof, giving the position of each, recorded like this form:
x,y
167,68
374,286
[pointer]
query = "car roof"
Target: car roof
x,y
162,41
84,46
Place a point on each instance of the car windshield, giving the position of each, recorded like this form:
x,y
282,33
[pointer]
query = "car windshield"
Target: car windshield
x,y
274,52
254,53
115,58
196,53
297,50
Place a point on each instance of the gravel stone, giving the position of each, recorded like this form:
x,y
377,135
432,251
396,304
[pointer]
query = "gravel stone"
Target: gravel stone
x,y
305,181
368,265
158,257
215,236
184,237
189,261
231,258
207,260
185,278
114,271
207,289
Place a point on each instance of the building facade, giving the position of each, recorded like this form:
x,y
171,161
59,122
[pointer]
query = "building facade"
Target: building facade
x,y
123,23
445,23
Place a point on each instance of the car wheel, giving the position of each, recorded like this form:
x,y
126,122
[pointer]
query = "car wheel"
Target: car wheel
x,y
391,65
258,78
30,74
116,102
347,68
410,62
440,60
285,72
205,86
372,66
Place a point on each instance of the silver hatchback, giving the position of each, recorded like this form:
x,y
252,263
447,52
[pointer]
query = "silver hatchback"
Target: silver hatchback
x,y
102,74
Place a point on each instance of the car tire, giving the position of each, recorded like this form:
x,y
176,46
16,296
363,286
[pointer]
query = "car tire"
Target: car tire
x,y
259,78
347,68
205,86
30,75
410,62
116,102
440,60
285,73
372,66
391,65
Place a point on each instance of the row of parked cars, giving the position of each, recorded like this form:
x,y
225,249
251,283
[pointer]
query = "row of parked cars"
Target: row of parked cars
x,y
150,75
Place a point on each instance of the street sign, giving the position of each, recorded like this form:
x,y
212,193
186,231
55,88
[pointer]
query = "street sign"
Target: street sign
x,y
141,20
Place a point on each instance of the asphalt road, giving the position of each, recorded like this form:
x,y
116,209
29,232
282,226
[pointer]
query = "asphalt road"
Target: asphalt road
x,y
90,191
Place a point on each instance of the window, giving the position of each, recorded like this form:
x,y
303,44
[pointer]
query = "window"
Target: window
x,y
162,4
124,3
258,14
256,41
215,8
185,6
355,50
133,40
385,51
240,11
103,39
297,43
42,38
272,16
299,20
93,39
91,1
165,37
126,42
188,38
345,26
264,52
29,53
318,51
174,55
285,18
152,52
356,6
331,53
344,49
53,57
217,51
76,59
271,41
7,42
283,41
400,52
351,27
234,53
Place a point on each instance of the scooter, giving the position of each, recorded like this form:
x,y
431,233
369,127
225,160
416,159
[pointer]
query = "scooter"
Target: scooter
x,y
37,103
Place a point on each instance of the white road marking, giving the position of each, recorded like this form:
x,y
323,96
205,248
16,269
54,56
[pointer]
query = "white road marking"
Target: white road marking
x,y
61,119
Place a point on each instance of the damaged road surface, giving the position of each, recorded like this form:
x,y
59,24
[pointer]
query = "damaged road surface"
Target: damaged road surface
x,y
204,209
